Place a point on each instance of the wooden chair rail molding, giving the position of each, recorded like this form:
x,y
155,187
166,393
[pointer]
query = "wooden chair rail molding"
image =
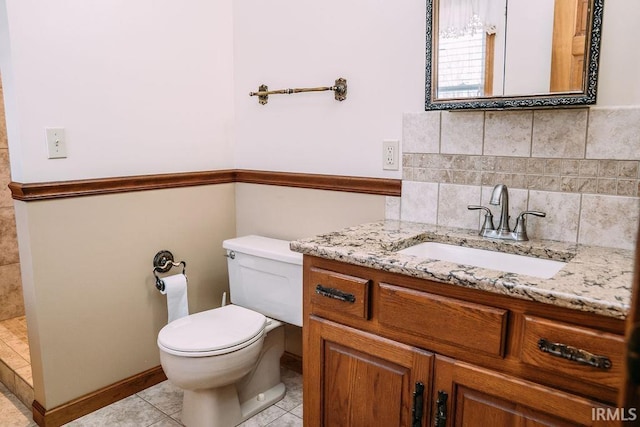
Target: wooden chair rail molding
x,y
91,187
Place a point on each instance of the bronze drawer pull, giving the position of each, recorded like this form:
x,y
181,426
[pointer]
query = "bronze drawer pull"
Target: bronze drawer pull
x,y
335,294
574,354
440,419
416,411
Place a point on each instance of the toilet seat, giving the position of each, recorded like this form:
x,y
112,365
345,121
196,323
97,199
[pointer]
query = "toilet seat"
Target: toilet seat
x,y
212,332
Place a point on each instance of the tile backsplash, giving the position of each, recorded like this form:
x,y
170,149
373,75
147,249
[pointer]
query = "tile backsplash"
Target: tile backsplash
x,y
580,166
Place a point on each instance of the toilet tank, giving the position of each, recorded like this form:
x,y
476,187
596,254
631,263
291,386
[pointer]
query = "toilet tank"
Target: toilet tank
x,y
265,276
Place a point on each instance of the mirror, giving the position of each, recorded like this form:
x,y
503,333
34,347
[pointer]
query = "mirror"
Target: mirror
x,y
496,54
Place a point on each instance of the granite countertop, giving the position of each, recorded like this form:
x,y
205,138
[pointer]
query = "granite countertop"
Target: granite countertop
x,y
595,279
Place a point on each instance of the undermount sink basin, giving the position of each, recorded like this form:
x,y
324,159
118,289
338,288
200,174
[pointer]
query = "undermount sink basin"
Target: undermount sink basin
x,y
510,263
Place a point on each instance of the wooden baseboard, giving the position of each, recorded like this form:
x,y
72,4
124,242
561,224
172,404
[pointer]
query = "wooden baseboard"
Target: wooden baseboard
x,y
292,362
98,399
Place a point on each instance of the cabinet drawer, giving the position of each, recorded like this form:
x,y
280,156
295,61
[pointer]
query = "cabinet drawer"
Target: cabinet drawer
x,y
593,356
338,293
473,326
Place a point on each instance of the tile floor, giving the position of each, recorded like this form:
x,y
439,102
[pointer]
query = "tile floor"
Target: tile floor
x,y
160,406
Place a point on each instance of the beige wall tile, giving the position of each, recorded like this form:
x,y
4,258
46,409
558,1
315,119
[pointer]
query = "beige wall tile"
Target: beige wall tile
x,y
24,385
570,167
561,222
5,179
462,132
11,358
614,133
452,205
508,133
559,133
421,132
392,208
3,124
11,292
419,202
7,376
627,187
9,238
588,168
610,221
628,169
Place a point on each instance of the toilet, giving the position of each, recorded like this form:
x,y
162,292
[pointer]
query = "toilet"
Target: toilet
x,y
227,360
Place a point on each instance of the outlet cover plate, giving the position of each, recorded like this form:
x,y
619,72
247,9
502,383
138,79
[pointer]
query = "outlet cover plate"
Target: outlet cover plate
x,y
390,154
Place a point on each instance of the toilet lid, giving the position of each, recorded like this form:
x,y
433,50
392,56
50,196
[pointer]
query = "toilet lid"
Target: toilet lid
x,y
213,331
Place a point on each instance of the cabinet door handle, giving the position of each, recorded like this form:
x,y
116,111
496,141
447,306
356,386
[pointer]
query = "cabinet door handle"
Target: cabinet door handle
x,y
574,354
335,294
440,419
416,412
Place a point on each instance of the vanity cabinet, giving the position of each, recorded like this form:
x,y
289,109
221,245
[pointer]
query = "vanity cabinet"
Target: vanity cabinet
x,y
387,349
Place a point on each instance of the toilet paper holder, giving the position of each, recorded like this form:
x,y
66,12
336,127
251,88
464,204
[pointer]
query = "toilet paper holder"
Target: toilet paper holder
x,y
163,262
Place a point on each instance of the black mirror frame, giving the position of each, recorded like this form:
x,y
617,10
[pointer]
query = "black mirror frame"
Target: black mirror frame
x,y
522,102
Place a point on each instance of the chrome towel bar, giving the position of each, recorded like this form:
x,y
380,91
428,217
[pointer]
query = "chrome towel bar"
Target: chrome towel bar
x,y
339,89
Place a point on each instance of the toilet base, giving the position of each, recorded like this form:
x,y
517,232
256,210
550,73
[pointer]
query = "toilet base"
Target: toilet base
x,y
220,407
232,404
256,404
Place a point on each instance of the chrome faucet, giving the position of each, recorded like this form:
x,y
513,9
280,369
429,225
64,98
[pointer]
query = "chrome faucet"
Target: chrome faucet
x,y
500,195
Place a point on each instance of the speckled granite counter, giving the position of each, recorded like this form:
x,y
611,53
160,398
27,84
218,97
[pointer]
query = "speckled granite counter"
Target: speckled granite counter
x,y
595,279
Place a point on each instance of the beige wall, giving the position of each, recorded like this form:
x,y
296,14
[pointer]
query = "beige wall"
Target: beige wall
x,y
293,213
92,308
93,311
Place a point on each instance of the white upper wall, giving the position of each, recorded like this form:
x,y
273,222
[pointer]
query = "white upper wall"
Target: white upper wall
x,y
140,86
618,82
378,46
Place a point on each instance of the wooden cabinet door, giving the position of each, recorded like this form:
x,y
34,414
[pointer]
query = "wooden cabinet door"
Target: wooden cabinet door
x,y
466,395
353,378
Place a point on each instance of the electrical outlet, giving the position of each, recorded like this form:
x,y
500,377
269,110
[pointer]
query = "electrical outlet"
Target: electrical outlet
x,y
390,148
56,145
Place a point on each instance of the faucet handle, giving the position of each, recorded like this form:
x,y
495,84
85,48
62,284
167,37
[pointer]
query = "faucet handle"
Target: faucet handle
x,y
535,213
488,218
521,225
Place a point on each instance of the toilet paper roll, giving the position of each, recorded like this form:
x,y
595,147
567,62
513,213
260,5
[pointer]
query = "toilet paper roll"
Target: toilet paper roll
x,y
175,288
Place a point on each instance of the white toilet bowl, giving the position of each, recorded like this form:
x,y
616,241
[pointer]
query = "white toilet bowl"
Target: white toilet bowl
x,y
227,360
219,358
